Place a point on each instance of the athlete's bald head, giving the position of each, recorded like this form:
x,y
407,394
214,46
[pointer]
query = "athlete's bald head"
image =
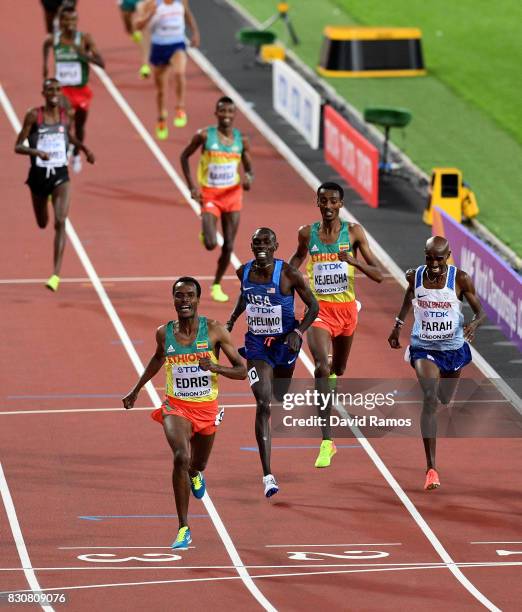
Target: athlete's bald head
x,y
437,244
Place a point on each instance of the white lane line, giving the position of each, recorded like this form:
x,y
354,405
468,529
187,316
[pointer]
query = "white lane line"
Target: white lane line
x,y
118,325
111,279
4,489
328,545
314,182
517,542
66,410
179,568
388,262
18,537
256,576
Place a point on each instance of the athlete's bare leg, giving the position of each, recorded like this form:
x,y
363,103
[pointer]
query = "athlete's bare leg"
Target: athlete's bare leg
x,y
428,375
319,344
262,390
60,199
230,225
341,346
161,79
80,119
179,66
209,228
126,17
201,446
178,432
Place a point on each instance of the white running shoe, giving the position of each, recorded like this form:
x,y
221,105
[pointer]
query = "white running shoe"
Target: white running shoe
x,y
270,484
77,164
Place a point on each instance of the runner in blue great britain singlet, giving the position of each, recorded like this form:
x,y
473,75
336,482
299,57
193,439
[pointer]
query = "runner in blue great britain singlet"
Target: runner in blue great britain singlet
x,y
439,339
274,337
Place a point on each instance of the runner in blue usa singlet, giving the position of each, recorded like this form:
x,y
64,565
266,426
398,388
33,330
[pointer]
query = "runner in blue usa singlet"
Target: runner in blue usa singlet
x,y
274,337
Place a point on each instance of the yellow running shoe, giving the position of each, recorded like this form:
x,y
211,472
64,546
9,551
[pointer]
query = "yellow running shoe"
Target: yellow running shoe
x,y
217,294
202,238
53,282
180,118
332,381
326,452
162,131
137,37
145,71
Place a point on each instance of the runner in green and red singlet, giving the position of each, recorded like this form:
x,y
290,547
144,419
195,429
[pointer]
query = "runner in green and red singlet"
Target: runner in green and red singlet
x,y
190,413
73,52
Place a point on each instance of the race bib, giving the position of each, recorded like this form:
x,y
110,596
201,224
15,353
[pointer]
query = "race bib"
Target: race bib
x,y
190,381
54,145
69,73
264,320
330,277
219,417
222,175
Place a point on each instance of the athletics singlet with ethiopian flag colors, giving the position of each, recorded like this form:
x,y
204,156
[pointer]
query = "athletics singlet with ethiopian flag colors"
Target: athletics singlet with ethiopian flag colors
x,y
185,379
330,280
219,163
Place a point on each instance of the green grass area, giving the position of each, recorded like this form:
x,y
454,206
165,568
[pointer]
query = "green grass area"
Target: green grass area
x,y
466,112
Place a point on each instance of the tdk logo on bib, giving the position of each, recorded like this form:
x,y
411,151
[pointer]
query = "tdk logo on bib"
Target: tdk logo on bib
x,y
330,267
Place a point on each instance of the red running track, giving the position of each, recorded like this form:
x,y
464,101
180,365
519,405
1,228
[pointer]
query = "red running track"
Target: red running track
x,y
88,479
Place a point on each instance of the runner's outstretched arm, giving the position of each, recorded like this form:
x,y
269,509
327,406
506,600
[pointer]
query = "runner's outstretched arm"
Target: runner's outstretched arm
x,y
303,238
312,307
370,266
91,53
240,306
393,339
467,290
222,337
192,24
197,141
48,43
246,160
20,148
153,367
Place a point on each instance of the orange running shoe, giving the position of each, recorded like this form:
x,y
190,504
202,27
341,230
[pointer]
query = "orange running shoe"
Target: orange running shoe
x,y
432,480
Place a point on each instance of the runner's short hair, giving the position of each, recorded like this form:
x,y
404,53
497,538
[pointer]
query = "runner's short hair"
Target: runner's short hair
x,y
224,100
331,187
268,230
187,279
48,81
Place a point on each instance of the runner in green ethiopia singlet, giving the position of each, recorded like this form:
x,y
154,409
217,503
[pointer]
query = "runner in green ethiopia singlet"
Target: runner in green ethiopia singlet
x,y
185,379
71,69
331,280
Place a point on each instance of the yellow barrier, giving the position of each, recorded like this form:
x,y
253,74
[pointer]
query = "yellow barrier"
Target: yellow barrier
x,y
451,194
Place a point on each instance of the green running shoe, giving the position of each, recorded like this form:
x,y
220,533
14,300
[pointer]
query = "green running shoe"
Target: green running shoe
x,y
326,452
217,294
53,282
183,539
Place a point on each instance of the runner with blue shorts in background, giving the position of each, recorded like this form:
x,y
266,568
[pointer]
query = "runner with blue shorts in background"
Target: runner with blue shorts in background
x,y
167,19
438,348
274,337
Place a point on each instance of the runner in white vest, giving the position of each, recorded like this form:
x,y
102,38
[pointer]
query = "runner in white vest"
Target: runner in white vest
x,y
438,347
166,20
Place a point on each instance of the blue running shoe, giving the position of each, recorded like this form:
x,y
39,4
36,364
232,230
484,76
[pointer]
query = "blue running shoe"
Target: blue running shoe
x,y
183,540
198,486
